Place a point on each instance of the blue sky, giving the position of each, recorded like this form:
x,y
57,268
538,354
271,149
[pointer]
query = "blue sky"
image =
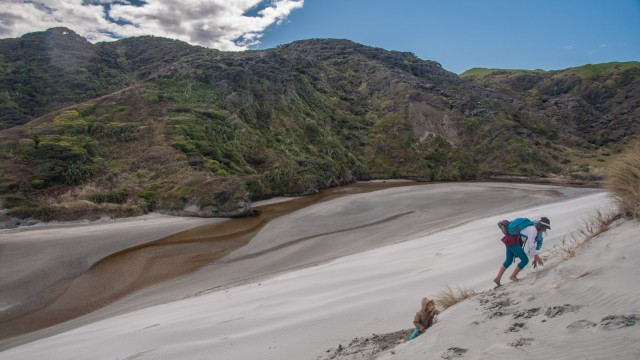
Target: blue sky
x,y
462,34
459,34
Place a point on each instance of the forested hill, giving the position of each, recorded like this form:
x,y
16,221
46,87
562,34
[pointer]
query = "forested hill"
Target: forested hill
x,y
600,103
147,123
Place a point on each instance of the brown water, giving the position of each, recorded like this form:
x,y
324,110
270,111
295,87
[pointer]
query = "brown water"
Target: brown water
x,y
135,268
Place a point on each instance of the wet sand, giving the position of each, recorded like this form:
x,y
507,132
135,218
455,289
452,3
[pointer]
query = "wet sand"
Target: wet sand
x,y
137,267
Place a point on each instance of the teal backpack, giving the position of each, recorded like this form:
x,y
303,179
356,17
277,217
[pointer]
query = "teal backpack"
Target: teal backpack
x,y
514,227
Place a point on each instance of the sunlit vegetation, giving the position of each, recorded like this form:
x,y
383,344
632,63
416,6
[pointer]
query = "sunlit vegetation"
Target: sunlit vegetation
x,y
146,123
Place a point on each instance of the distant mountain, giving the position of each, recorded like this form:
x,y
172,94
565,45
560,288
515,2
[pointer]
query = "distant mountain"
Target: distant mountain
x,y
148,123
42,72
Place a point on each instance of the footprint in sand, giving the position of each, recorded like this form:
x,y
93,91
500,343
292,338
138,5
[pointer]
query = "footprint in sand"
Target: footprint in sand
x,y
497,304
613,322
515,327
559,310
453,352
581,325
527,314
521,342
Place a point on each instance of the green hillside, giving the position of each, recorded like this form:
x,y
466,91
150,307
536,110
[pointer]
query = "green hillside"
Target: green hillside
x,y
151,124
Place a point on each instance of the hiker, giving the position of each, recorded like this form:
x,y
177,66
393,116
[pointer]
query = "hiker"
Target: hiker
x,y
522,232
424,318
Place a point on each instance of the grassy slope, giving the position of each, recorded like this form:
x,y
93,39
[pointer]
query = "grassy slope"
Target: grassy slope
x,y
207,128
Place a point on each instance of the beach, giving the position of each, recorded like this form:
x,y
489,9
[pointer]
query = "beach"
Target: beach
x,y
307,281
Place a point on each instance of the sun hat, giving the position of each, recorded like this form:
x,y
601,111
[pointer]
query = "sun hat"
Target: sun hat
x,y
545,222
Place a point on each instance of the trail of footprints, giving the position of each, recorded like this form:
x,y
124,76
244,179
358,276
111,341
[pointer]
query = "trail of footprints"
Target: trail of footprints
x,y
497,303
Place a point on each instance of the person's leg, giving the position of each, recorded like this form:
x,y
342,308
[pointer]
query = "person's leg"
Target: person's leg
x,y
524,260
507,262
499,276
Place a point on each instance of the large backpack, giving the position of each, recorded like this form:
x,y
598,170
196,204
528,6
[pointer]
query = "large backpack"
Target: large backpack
x,y
514,226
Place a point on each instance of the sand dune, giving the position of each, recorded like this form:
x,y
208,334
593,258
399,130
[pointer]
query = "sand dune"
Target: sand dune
x,y
403,243
585,308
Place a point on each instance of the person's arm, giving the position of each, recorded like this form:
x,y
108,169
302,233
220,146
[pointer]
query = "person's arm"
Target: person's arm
x,y
531,232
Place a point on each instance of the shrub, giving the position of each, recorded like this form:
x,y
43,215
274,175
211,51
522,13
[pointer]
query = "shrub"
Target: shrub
x,y
115,197
38,183
23,212
85,109
45,213
26,147
623,182
184,146
76,173
147,195
13,201
149,198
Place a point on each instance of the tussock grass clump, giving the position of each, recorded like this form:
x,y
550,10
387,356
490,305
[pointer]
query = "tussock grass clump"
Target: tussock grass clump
x,y
623,182
449,297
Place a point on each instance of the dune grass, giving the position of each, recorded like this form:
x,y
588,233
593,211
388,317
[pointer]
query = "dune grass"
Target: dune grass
x,y
449,297
623,182
596,224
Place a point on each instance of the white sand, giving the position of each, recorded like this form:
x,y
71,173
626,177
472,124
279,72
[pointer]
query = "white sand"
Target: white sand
x,y
585,308
301,313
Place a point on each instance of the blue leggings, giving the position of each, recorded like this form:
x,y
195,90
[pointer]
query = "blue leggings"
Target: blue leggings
x,y
516,250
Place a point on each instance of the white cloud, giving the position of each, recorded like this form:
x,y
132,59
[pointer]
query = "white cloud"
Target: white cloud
x,y
220,24
568,47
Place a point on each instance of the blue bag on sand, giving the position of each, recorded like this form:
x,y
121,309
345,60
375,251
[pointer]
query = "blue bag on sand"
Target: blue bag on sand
x,y
414,334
